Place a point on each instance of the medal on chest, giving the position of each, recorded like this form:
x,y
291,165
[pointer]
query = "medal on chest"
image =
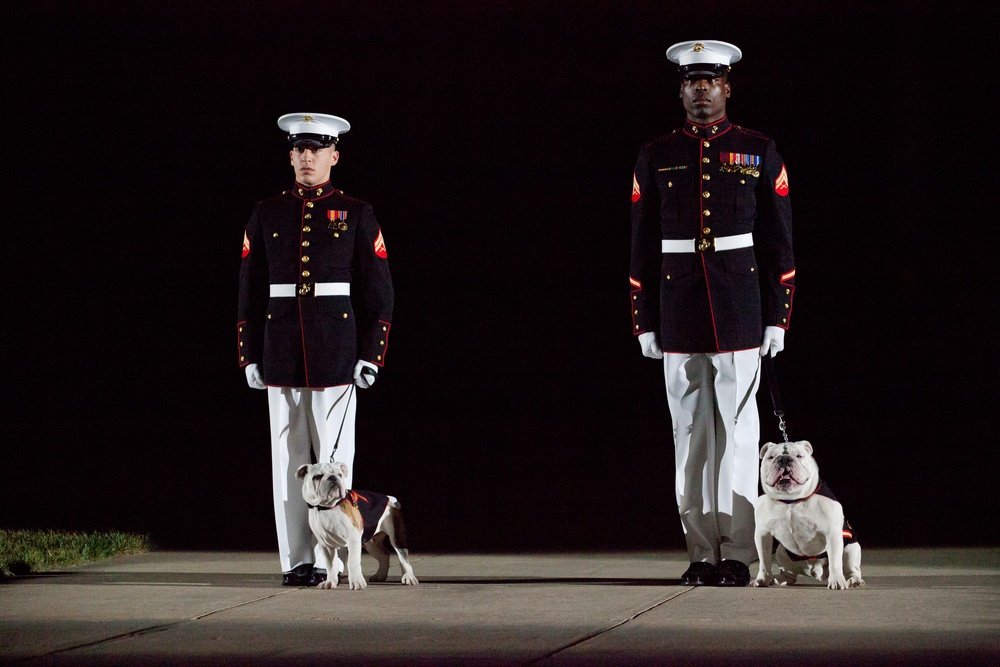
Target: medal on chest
x,y
739,163
337,219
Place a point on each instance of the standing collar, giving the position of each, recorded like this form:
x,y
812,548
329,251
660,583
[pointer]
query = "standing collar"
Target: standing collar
x,y
315,192
709,131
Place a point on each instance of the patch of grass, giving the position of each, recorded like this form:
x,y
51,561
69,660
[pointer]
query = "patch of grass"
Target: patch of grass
x,y
24,551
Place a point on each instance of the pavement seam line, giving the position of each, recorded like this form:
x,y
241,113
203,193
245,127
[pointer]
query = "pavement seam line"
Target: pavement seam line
x,y
593,635
155,628
237,605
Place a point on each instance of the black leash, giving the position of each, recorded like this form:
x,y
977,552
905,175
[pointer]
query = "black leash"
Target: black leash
x,y
772,385
349,393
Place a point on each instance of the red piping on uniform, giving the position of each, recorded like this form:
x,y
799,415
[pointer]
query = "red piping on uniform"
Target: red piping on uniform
x,y
332,191
298,301
701,226
711,309
386,348
790,275
633,307
731,126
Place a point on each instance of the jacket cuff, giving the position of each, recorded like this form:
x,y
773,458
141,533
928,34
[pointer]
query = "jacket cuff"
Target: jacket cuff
x,y
379,342
244,345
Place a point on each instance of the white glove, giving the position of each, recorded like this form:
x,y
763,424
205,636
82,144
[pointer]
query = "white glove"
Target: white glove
x,y
254,378
364,374
650,346
774,341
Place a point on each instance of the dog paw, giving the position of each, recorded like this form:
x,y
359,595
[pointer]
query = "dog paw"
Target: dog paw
x,y
328,584
855,582
358,584
837,584
784,580
761,582
409,579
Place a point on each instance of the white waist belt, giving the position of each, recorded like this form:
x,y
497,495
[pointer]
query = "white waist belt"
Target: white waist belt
x,y
717,244
310,289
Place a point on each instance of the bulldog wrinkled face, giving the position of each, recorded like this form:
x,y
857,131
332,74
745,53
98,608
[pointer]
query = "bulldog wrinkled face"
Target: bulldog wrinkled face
x,y
323,483
787,467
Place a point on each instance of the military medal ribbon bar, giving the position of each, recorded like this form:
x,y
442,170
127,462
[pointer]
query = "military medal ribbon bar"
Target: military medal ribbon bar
x,y
743,159
739,163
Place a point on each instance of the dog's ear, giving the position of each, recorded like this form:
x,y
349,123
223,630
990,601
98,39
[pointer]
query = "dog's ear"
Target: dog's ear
x,y
806,446
763,450
301,472
343,467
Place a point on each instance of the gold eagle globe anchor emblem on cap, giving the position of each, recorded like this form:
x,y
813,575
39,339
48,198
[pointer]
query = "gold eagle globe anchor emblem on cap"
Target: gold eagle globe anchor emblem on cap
x,y
698,48
307,119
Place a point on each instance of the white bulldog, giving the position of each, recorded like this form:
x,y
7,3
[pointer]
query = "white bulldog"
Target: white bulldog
x,y
800,512
341,517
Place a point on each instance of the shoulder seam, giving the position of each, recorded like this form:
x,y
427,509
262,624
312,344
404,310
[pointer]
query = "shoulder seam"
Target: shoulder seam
x,y
662,138
752,133
354,199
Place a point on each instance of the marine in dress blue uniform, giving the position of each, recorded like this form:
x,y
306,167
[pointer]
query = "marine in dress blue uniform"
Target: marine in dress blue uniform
x,y
315,312
712,278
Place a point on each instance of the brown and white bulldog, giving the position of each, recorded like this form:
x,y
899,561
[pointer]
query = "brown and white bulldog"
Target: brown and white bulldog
x,y
341,517
799,511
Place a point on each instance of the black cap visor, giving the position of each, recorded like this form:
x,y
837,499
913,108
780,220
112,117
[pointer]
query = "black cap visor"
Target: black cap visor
x,y
703,71
312,140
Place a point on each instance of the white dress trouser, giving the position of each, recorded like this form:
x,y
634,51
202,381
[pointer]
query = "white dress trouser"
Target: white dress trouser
x,y
305,424
713,407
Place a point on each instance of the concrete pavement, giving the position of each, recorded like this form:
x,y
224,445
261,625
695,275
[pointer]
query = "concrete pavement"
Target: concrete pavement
x,y
921,606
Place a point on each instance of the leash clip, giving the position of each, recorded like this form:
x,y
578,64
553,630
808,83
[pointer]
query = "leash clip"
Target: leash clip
x,y
781,424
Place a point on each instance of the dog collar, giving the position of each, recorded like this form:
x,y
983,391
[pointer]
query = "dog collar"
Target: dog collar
x,y
352,495
320,508
800,500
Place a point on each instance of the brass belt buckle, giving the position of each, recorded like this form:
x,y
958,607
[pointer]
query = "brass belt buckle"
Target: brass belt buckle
x,y
305,289
704,245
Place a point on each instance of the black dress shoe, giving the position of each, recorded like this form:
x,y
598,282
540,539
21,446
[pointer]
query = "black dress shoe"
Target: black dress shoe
x,y
701,574
298,576
733,573
317,578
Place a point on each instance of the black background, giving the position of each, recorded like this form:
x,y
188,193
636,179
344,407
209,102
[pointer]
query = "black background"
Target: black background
x,y
496,142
